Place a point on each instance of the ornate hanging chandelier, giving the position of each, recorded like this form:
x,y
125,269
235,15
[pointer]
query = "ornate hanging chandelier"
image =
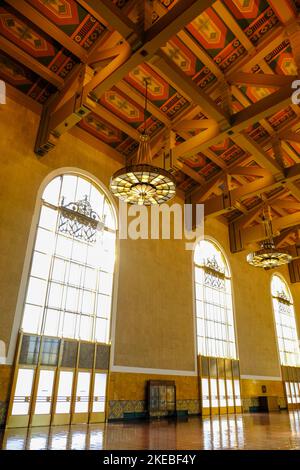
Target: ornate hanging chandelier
x,y
268,256
143,183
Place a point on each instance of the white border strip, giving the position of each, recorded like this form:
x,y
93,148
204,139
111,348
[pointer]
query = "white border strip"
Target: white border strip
x,y
142,370
260,377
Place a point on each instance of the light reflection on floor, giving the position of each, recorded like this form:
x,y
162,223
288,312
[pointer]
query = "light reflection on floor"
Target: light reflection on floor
x,y
248,431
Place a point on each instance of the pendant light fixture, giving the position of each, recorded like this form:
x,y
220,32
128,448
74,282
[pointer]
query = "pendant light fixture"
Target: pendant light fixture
x,y
268,256
143,183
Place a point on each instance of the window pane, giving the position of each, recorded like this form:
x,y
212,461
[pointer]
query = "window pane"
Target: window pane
x,y
44,241
44,392
64,392
104,306
52,322
40,265
36,291
23,392
101,330
86,324
32,319
99,393
69,325
82,392
48,218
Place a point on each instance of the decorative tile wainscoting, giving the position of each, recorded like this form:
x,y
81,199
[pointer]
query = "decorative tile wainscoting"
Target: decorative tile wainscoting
x,y
252,389
118,409
127,394
136,409
252,404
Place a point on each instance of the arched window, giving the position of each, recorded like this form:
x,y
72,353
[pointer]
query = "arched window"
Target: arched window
x,y
70,285
214,313
286,329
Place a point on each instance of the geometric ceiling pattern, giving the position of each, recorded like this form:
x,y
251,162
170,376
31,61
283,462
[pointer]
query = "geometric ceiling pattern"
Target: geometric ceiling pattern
x,y
219,79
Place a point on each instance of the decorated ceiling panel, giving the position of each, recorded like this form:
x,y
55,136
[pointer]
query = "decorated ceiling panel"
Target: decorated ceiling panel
x,y
255,17
109,134
73,20
34,42
281,59
202,165
208,50
220,43
24,79
188,62
160,93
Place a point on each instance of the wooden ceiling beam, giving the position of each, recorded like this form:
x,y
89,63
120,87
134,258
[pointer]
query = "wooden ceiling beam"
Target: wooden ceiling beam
x,y
153,38
241,120
209,188
199,142
140,100
233,25
188,88
286,204
192,124
285,234
257,233
97,144
290,136
49,28
265,47
222,204
261,79
202,55
215,159
261,109
102,112
190,172
109,14
284,10
243,221
248,171
258,153
26,59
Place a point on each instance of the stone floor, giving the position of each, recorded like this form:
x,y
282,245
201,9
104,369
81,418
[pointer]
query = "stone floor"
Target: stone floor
x,y
279,430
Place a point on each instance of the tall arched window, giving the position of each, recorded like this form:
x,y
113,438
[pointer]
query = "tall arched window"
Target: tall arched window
x,y
214,313
69,290
287,337
62,360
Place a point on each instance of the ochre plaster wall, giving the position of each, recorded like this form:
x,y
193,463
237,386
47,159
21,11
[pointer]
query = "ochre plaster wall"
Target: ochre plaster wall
x,y
154,322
